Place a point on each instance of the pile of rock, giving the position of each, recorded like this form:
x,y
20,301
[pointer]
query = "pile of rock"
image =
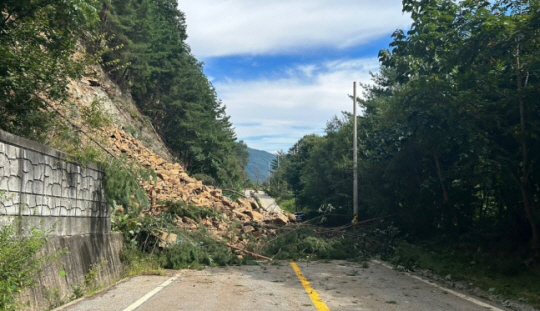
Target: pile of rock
x,y
173,184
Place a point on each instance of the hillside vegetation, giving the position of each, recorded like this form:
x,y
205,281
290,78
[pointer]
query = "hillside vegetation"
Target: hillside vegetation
x,y
448,136
448,140
45,45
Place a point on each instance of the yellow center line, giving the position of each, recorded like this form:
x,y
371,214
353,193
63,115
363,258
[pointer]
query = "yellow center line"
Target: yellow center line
x,y
317,302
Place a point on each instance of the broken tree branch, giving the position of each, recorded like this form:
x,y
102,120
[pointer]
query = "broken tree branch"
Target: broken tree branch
x,y
248,252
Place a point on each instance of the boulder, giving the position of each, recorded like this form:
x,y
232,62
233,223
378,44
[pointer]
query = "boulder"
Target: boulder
x,y
291,217
166,239
227,202
241,216
244,204
278,219
255,216
254,204
217,193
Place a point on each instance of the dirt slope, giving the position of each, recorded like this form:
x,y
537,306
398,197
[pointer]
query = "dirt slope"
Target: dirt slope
x,y
134,136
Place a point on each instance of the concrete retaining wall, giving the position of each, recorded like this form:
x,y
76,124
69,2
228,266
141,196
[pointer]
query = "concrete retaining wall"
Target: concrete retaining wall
x,y
51,193
38,183
92,259
67,200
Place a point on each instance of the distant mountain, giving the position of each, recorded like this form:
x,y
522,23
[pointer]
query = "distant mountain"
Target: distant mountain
x,y
259,164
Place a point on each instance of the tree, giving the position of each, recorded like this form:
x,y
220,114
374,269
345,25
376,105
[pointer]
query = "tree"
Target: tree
x,y
38,41
450,130
169,86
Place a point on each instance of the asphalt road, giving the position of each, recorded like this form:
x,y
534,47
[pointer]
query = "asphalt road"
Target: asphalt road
x,y
339,285
268,202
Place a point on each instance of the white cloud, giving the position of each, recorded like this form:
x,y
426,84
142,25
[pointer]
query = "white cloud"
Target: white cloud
x,y
279,112
273,113
252,27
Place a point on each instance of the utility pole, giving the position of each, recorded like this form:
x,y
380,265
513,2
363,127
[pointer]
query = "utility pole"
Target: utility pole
x,y
355,159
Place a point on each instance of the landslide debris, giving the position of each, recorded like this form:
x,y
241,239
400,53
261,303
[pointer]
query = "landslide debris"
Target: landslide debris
x,y
174,184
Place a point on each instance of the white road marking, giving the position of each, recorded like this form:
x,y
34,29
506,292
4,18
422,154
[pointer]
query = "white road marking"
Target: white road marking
x,y
145,298
460,295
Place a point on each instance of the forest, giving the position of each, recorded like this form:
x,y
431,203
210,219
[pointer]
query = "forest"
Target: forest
x,y
448,132
141,46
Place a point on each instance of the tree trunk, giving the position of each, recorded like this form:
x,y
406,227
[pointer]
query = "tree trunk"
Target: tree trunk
x,y
528,205
439,174
524,183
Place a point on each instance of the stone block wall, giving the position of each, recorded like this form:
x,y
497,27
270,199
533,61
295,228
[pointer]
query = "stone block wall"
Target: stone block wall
x,y
51,193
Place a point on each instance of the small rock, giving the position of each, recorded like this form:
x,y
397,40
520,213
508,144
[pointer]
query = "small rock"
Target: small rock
x,y
248,229
291,217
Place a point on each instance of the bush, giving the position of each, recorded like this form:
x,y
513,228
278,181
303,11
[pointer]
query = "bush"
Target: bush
x,y
206,179
18,262
305,243
136,262
182,209
194,250
288,205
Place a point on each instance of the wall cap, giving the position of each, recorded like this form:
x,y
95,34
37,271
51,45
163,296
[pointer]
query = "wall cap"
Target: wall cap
x,y
22,142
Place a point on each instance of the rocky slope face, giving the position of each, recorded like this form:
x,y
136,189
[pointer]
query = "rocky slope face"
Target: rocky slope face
x,y
134,137
119,106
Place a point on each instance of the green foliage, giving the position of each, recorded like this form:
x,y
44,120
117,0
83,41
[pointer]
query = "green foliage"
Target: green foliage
x,y
137,263
192,250
91,278
170,88
94,117
288,205
122,185
307,244
196,250
316,171
54,298
448,130
314,243
69,138
182,209
140,231
38,41
131,131
19,262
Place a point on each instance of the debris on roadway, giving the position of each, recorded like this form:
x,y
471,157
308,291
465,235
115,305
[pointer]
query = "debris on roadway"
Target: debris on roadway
x,y
174,184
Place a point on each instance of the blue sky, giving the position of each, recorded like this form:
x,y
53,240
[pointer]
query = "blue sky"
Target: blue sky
x,y
284,68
